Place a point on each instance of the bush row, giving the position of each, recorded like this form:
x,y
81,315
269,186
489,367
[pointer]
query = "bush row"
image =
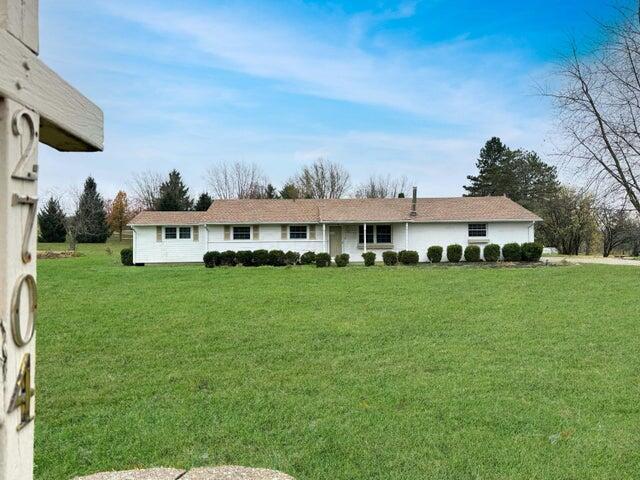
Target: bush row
x,y
247,258
511,252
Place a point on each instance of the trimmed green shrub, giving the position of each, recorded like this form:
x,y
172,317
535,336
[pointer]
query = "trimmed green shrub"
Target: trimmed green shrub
x,y
531,251
323,260
211,259
511,252
408,257
342,260
245,258
276,258
472,253
390,258
308,258
228,259
491,252
291,258
369,259
434,254
454,253
260,258
126,257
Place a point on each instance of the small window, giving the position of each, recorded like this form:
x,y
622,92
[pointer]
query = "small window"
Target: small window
x,y
297,232
185,232
477,229
370,229
170,233
242,233
383,233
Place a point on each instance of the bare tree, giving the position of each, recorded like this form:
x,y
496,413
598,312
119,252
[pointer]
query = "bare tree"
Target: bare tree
x,y
616,226
322,179
599,109
378,186
146,190
237,180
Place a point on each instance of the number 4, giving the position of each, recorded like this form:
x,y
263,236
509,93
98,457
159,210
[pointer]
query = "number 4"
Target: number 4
x,y
21,398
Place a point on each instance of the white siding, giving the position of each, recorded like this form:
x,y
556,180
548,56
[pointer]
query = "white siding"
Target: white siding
x,y
146,249
270,239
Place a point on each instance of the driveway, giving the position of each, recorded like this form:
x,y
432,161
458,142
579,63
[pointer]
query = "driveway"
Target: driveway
x,y
600,260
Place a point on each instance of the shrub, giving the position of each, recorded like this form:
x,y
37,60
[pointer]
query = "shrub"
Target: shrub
x,y
260,258
491,253
511,252
291,258
228,258
472,253
390,258
531,251
276,258
369,259
126,256
342,260
308,258
245,258
434,254
211,259
408,257
454,253
323,260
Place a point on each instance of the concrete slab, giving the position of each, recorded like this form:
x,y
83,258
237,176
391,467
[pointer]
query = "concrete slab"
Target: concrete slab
x,y
149,474
234,473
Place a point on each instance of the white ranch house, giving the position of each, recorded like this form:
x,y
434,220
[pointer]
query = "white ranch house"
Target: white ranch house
x,y
334,226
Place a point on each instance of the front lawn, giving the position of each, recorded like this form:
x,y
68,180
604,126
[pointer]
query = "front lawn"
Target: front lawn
x,y
405,373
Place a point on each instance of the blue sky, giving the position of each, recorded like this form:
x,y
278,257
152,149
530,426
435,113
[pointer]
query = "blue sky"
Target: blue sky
x,y
409,88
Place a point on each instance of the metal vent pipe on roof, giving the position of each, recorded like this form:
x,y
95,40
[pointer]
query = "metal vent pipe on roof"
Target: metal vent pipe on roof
x,y
414,202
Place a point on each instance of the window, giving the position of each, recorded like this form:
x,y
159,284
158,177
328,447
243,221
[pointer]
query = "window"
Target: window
x,y
170,233
185,232
242,233
477,229
381,234
297,232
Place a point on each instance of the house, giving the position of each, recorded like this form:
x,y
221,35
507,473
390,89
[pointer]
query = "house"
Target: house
x,y
334,226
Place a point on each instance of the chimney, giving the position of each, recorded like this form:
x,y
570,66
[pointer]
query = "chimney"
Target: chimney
x,y
414,201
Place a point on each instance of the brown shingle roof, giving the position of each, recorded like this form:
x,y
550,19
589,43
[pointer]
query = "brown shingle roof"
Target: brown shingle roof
x,y
455,209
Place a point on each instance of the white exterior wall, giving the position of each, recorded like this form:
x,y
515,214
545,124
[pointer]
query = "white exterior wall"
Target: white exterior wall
x,y
146,248
421,236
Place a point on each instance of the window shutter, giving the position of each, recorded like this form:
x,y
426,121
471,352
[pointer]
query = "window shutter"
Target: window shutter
x,y
283,232
227,232
196,233
158,234
312,232
256,232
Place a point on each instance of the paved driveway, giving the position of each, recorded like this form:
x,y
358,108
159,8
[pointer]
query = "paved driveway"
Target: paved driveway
x,y
601,260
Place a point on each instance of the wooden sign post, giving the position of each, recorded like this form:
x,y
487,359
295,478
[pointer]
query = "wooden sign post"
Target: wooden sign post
x,y
36,105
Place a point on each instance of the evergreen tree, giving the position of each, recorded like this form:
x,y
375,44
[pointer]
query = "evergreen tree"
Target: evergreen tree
x,y
90,222
174,195
203,203
289,191
51,221
271,192
520,175
119,213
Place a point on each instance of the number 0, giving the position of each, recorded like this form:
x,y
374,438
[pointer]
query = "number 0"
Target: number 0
x,y
21,338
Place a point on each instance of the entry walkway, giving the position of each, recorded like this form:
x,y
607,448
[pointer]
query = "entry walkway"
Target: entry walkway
x,y
215,473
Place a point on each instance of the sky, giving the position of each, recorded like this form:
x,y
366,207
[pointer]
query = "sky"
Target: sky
x,y
407,88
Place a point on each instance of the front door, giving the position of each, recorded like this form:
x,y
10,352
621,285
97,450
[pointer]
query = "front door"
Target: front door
x,y
335,241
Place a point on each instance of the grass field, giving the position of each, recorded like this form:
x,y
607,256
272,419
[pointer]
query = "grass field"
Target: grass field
x,y
356,373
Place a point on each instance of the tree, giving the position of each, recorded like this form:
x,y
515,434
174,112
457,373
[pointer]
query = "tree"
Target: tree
x,y
271,192
146,189
598,108
203,203
174,195
51,221
118,215
615,225
520,175
570,220
382,187
290,192
89,224
322,179
236,180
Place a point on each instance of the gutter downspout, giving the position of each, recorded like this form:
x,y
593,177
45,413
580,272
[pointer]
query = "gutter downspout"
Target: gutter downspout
x,y
406,236
324,237
365,238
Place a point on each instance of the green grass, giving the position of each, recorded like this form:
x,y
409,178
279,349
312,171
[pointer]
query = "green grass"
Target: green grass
x,y
354,373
